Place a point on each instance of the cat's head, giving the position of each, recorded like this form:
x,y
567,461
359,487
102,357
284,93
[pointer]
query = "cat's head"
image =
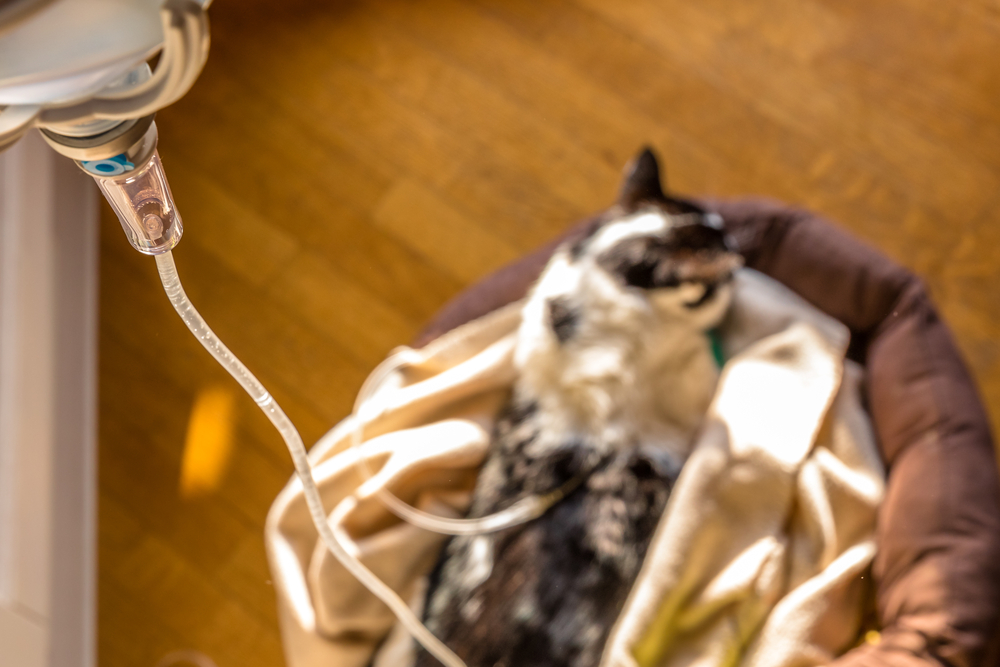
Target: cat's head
x,y
671,250
621,310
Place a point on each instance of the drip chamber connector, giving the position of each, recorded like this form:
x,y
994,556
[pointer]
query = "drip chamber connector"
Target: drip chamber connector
x,y
136,187
122,158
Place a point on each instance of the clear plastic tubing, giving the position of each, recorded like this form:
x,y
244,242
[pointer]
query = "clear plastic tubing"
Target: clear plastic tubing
x,y
524,510
264,400
135,185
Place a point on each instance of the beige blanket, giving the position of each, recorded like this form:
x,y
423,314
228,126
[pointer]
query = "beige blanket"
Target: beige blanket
x,y
760,557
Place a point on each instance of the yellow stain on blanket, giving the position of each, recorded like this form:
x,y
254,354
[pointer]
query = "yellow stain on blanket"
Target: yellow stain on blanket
x,y
209,442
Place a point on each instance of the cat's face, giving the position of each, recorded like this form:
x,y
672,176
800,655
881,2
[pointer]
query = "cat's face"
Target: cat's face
x,y
621,311
681,263
672,252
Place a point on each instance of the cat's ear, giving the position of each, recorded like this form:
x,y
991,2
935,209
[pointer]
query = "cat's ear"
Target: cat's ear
x,y
642,182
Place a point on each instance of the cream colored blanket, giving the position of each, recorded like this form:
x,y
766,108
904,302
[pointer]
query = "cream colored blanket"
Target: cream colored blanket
x,y
759,559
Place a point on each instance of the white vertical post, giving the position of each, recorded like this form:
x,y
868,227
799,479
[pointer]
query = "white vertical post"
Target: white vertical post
x,y
48,389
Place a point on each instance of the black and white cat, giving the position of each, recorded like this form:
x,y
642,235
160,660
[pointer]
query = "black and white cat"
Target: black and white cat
x,y
615,374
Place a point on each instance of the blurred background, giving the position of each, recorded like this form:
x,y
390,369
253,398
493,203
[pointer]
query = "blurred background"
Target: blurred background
x,y
344,168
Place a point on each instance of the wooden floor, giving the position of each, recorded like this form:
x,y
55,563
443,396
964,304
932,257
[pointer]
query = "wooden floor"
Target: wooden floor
x,y
343,168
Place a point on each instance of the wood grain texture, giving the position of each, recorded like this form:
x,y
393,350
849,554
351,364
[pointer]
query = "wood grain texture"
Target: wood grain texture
x,y
344,168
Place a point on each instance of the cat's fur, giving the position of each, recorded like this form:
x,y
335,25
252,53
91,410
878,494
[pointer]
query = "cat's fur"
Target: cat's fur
x,y
615,372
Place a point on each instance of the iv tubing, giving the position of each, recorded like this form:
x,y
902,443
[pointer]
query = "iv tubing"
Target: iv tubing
x,y
524,510
264,400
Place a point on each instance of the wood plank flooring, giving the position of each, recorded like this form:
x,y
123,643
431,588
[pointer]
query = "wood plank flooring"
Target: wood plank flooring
x,y
343,168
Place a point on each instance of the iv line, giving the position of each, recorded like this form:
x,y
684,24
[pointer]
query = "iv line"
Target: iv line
x,y
264,400
522,511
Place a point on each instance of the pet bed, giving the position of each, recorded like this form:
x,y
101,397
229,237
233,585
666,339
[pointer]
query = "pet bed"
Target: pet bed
x,y
934,549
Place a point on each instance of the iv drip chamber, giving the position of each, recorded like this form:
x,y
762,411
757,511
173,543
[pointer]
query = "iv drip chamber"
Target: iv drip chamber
x,y
136,187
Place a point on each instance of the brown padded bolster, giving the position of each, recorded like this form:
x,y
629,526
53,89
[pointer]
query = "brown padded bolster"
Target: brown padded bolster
x,y
937,570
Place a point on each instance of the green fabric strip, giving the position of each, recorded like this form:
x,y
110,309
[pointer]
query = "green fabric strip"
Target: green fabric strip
x,y
716,342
